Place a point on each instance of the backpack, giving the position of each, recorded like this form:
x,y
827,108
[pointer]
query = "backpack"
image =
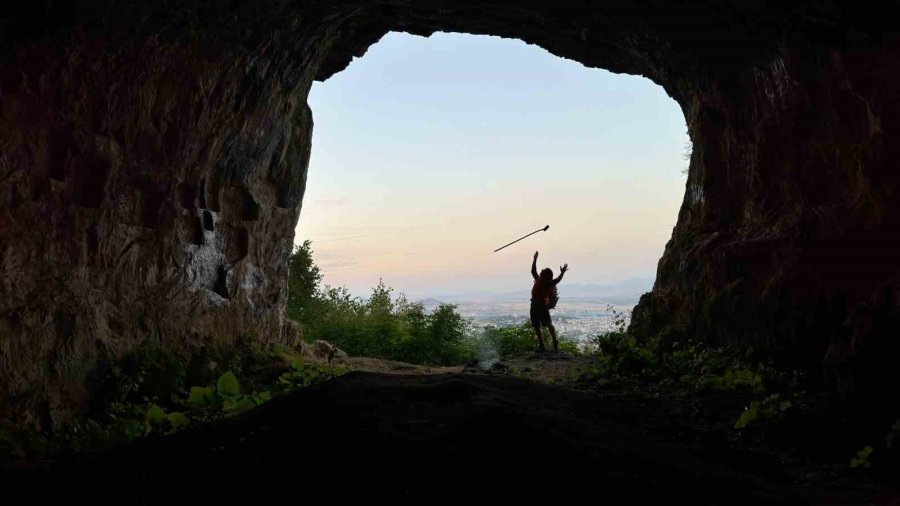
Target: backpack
x,y
554,298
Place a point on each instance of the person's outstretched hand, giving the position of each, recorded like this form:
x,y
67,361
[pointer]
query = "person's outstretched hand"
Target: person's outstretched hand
x,y
564,268
535,255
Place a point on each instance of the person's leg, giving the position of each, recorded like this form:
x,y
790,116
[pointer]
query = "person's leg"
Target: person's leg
x,y
540,337
536,324
553,335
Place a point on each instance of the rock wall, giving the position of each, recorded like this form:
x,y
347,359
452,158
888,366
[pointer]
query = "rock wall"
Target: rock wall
x,y
150,182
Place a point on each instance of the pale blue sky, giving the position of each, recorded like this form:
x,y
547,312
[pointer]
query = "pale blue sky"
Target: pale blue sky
x,y
429,153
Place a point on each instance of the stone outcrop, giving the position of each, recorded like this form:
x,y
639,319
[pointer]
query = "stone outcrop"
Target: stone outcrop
x,y
153,163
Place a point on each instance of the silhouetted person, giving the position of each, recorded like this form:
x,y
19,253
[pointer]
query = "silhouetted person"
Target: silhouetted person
x,y
540,302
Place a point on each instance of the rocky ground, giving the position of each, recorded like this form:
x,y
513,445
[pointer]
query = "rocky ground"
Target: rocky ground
x,y
522,429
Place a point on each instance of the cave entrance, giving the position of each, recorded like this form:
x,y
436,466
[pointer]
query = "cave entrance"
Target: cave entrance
x,y
428,153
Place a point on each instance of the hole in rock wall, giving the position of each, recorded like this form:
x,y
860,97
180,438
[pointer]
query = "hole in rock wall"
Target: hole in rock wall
x,y
221,284
196,231
208,221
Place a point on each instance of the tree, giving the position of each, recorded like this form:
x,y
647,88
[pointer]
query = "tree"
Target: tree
x,y
380,305
303,284
375,327
447,332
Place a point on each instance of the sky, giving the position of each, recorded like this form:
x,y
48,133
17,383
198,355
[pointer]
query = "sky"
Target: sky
x,y
430,153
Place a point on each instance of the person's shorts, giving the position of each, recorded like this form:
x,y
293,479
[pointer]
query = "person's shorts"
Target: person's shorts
x,y
540,315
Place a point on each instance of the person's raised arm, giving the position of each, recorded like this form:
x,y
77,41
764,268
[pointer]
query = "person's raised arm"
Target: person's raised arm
x,y
534,273
562,270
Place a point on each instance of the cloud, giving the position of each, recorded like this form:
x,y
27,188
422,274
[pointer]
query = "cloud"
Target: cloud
x,y
338,265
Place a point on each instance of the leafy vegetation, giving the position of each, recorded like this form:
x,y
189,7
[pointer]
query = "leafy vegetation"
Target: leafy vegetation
x,y
886,451
380,327
510,340
691,365
138,405
862,458
696,368
304,277
387,327
764,410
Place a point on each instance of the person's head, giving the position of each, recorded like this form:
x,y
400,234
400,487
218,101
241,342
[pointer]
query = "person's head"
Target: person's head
x,y
547,275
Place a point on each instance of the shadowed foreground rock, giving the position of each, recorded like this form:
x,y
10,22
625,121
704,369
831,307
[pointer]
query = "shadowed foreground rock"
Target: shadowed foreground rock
x,y
449,437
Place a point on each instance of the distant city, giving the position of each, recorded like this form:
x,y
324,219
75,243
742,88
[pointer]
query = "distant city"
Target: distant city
x,y
583,312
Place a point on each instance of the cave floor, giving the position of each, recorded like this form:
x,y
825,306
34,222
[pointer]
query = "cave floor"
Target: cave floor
x,y
426,436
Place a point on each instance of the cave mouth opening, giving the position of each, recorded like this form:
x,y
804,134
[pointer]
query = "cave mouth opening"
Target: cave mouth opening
x,y
428,152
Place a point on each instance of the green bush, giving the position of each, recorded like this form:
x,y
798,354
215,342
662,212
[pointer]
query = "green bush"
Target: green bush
x,y
495,341
302,375
619,355
382,328
379,326
763,411
689,364
886,453
131,411
147,373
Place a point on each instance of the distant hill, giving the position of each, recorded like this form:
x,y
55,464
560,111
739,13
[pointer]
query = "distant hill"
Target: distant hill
x,y
430,302
623,292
